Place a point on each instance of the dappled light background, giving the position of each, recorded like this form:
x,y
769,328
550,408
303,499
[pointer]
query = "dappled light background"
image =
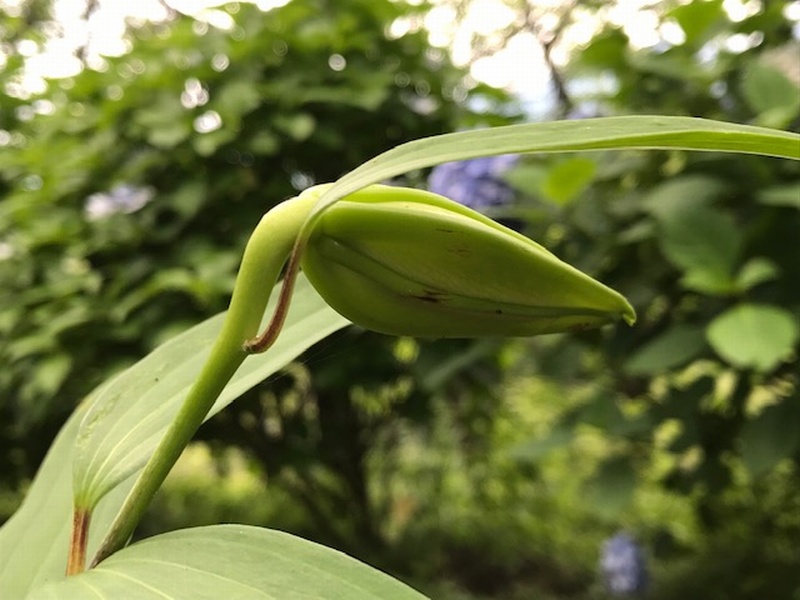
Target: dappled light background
x,y
140,143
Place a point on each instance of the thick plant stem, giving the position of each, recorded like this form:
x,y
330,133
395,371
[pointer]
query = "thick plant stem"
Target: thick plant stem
x,y
76,560
263,259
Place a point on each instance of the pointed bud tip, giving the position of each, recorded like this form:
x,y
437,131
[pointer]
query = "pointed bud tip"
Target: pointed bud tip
x,y
629,314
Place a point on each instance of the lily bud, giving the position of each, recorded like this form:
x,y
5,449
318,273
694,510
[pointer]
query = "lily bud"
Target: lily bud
x,y
410,262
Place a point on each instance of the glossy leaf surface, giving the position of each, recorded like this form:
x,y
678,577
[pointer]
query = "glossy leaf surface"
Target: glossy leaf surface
x,y
126,421
228,561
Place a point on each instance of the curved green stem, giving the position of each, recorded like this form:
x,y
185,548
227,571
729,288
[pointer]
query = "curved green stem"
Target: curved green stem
x,y
263,341
264,256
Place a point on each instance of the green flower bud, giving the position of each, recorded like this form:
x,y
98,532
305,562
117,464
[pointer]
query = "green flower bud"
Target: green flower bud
x,y
410,262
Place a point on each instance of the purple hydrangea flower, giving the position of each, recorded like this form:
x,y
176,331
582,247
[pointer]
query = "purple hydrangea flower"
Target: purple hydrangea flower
x,y
475,183
623,565
123,198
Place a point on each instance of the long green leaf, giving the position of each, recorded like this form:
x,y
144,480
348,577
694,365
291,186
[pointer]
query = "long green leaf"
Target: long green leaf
x,y
131,413
34,542
228,561
605,133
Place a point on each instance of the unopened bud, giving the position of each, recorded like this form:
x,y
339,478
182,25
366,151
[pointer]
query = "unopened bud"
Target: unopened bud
x,y
409,262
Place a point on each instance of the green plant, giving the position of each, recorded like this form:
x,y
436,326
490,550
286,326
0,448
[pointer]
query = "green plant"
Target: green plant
x,y
149,412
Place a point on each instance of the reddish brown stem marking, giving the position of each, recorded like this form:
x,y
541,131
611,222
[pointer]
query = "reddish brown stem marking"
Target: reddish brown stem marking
x,y
76,559
262,342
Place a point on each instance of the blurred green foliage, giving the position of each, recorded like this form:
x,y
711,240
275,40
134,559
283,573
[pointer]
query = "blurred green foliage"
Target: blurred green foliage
x,y
700,399
479,469
129,190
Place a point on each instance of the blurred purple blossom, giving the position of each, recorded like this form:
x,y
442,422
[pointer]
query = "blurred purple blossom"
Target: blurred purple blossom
x,y
623,565
123,198
476,183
